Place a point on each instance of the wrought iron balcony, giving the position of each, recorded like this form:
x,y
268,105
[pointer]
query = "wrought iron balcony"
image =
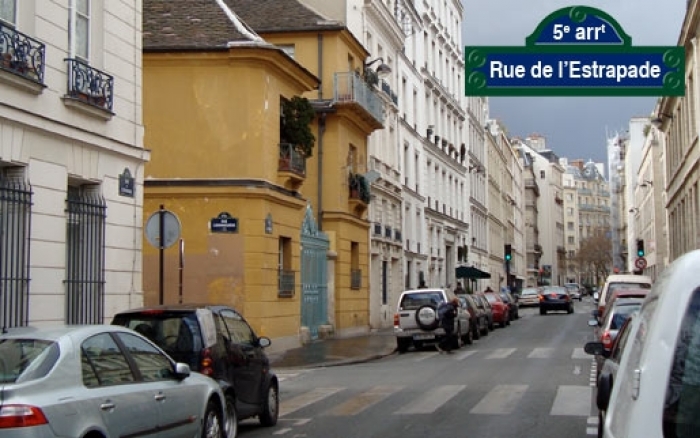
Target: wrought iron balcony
x,y
386,88
355,278
287,280
90,85
291,160
350,87
21,54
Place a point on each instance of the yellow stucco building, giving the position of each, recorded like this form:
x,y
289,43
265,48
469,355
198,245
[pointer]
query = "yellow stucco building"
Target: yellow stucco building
x,y
281,238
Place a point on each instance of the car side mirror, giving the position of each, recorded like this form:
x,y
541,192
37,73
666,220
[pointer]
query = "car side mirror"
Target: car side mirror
x,y
594,347
182,370
264,341
593,322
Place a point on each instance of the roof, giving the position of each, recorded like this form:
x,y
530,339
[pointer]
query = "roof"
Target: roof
x,y
628,278
214,24
57,331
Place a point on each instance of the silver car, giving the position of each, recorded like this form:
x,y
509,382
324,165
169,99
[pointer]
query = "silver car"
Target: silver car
x,y
101,380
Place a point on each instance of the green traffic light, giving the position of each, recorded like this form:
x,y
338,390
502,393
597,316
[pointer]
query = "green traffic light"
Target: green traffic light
x,y
640,253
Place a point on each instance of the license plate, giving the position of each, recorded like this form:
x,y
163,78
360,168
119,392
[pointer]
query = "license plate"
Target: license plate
x,y
423,337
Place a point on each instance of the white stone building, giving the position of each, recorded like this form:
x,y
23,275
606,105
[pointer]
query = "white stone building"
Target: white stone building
x,y
71,160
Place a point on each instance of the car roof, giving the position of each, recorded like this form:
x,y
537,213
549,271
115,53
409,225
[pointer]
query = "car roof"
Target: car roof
x,y
57,331
628,278
185,307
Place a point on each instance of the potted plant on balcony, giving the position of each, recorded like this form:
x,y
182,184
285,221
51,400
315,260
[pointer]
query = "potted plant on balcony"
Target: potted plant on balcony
x,y
295,126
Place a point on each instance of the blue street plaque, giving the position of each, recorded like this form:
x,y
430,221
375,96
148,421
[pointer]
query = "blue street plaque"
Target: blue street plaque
x,y
126,184
224,223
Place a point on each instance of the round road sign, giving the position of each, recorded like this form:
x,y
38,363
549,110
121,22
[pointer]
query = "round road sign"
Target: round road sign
x,y
171,229
640,263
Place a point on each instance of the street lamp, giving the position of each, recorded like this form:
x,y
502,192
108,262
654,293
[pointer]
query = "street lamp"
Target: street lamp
x,y
382,69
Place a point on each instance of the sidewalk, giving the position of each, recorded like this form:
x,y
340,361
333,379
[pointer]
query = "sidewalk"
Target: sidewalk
x,y
337,351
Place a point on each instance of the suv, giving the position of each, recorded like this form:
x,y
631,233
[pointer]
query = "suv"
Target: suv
x,y
656,392
616,282
416,321
218,342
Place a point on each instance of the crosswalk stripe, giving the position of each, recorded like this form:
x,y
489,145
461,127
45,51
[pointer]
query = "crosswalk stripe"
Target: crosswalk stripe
x,y
362,401
572,400
501,353
580,354
303,400
466,354
502,399
541,353
432,400
424,356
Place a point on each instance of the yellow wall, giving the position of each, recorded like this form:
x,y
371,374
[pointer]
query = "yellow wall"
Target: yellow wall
x,y
212,123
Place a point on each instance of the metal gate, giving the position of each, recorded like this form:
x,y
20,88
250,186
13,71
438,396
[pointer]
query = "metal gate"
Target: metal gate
x,y
314,300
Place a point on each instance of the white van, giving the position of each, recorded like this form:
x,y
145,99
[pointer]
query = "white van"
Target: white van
x,y
616,282
657,388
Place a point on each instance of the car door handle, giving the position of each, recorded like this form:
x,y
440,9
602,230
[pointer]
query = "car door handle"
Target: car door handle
x,y
159,397
108,406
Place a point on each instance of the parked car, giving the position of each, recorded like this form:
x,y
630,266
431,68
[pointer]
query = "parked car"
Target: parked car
x,y
555,298
529,296
101,380
606,373
501,313
512,303
607,328
575,291
616,282
218,342
416,320
480,298
657,389
477,316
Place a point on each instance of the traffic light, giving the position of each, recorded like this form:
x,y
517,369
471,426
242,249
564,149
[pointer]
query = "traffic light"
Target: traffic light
x,y
508,255
640,247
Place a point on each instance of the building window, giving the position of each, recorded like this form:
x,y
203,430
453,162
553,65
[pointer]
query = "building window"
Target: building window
x,y
80,30
571,240
570,211
355,271
85,255
570,226
286,277
15,216
8,11
541,174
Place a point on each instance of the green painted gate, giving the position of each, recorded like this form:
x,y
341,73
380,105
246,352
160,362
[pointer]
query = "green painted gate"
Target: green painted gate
x,y
314,273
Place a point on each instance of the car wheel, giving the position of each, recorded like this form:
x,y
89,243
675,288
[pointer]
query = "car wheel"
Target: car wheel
x,y
426,317
212,427
475,332
418,345
601,424
231,417
492,327
402,344
508,320
270,407
469,337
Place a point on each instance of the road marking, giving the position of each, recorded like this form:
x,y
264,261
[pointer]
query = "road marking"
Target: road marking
x,y
502,399
364,400
303,400
572,400
431,400
580,354
541,353
424,356
501,353
282,431
465,355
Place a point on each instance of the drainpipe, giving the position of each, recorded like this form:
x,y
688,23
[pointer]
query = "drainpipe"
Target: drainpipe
x,y
321,130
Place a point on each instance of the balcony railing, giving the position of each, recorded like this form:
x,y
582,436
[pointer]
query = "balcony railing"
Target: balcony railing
x,y
355,278
386,88
287,280
349,87
21,54
291,160
90,85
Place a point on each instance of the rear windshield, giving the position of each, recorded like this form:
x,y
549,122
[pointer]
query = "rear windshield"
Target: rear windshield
x,y
22,360
616,287
621,314
415,300
177,333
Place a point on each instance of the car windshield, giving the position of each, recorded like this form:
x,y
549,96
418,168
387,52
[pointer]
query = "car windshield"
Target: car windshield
x,y
22,360
621,313
177,333
413,301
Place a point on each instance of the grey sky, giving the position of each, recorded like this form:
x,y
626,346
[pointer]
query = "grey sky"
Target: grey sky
x,y
575,127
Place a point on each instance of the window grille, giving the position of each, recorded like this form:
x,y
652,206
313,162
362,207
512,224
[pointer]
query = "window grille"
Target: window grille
x,y
15,224
85,255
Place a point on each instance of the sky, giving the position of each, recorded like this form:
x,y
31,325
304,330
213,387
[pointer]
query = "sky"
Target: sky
x,y
574,127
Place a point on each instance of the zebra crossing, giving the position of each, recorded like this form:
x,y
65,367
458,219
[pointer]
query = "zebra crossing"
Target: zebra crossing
x,y
503,399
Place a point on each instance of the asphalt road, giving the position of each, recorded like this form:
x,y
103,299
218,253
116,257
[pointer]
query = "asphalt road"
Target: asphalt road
x,y
531,379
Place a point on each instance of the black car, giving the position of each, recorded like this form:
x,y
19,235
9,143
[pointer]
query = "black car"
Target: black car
x,y
477,313
555,298
218,342
512,303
